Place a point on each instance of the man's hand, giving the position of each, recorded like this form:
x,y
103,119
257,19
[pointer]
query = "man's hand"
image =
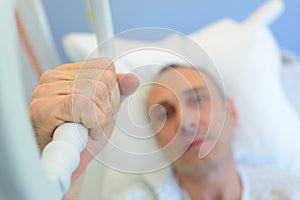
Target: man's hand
x,y
89,93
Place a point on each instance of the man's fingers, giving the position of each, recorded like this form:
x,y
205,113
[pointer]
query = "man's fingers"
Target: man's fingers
x,y
69,108
89,93
128,83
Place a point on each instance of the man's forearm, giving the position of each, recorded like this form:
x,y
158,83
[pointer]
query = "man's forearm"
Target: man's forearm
x,y
75,189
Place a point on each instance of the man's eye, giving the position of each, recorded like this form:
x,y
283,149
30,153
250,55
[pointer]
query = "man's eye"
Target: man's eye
x,y
166,114
162,116
198,100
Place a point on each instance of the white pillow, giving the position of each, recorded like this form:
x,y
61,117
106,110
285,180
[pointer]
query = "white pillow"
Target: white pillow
x,y
248,58
291,83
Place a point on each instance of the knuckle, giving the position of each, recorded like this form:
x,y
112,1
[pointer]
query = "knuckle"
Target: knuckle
x,y
70,86
36,110
36,93
107,63
64,66
83,85
106,60
33,108
101,91
48,76
110,78
104,120
44,87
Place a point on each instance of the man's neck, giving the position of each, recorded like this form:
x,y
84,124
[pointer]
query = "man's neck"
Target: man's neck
x,y
219,183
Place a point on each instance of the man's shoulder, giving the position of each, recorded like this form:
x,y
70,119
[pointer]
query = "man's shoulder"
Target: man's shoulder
x,y
266,183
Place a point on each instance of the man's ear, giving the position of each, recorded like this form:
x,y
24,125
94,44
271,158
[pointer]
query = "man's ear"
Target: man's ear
x,y
232,112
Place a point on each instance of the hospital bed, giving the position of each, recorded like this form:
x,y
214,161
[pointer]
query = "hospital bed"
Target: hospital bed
x,y
246,48
21,173
18,182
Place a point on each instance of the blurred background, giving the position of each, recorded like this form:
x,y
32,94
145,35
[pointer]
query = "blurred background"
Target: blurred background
x,y
69,16
184,16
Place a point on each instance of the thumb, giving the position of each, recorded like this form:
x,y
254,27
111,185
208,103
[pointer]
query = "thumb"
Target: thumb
x,y
128,83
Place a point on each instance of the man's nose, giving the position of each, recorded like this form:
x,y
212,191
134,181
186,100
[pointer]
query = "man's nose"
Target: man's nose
x,y
189,121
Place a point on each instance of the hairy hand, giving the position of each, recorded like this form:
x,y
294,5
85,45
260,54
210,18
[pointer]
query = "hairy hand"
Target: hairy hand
x,y
89,93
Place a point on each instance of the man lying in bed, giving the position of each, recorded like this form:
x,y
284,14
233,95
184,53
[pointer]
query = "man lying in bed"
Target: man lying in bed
x,y
194,121
188,111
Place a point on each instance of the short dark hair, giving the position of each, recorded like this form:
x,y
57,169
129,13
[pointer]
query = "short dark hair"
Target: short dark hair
x,y
200,69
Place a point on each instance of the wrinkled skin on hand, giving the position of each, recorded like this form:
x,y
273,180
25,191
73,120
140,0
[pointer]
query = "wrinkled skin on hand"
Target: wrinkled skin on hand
x,y
89,93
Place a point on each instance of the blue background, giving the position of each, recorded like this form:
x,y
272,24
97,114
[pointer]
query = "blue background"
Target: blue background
x,y
67,16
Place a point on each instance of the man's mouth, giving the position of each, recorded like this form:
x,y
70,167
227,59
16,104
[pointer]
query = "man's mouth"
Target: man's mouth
x,y
196,144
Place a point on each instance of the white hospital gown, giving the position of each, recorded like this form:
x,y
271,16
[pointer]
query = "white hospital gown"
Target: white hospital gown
x,y
257,184
263,184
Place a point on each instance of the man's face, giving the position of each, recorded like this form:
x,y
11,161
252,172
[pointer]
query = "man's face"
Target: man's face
x,y
190,116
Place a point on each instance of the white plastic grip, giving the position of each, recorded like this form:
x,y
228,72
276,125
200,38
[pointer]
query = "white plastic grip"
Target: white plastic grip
x,y
62,155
